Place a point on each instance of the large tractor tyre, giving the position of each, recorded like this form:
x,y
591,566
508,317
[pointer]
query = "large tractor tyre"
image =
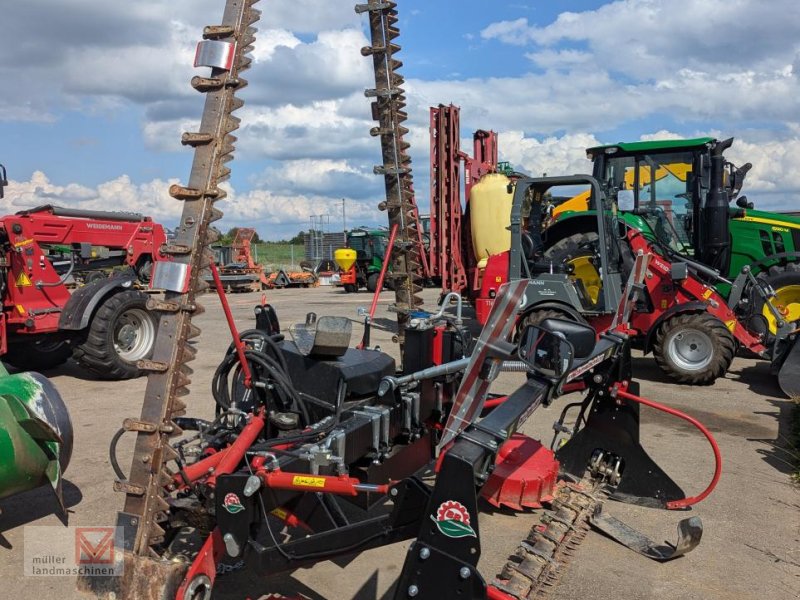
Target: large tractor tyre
x,y
372,283
785,280
350,288
41,354
121,333
579,251
694,348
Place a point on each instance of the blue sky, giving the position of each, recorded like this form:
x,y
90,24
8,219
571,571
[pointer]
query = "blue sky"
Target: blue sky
x,y
93,106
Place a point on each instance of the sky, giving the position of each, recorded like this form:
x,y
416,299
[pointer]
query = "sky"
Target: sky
x,y
96,94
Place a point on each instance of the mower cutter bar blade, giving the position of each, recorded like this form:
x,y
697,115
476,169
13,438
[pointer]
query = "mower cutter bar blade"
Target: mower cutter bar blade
x,y
689,533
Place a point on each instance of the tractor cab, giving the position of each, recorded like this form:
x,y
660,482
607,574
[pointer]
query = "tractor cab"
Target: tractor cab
x,y
677,192
368,244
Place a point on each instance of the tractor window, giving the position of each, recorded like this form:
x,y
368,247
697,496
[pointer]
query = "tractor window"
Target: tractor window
x,y
661,186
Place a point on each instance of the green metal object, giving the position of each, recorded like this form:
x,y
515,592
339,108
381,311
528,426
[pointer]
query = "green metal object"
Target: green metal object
x,y
669,205
370,247
655,145
35,434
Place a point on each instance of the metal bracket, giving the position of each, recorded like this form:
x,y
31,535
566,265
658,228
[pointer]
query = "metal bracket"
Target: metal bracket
x,y
362,8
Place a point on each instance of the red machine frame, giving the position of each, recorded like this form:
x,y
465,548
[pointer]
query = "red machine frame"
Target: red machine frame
x,y
36,293
450,254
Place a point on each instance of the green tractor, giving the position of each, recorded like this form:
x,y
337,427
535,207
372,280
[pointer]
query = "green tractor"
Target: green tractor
x,y
362,260
664,189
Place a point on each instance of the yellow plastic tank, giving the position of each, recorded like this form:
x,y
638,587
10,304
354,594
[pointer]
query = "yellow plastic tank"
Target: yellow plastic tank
x,y
490,216
344,257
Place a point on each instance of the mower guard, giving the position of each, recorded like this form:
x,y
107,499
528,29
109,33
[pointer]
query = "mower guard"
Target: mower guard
x,y
690,531
613,427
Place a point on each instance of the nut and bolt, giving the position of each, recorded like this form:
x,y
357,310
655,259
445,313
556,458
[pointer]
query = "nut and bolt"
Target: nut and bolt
x,y
412,591
424,553
464,573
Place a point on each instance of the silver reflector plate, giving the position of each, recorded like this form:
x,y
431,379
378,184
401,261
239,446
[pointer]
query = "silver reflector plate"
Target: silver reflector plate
x,y
170,276
215,54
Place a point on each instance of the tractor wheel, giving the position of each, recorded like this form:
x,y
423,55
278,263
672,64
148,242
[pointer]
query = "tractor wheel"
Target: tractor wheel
x,y
579,251
785,281
41,354
372,283
694,348
121,333
350,288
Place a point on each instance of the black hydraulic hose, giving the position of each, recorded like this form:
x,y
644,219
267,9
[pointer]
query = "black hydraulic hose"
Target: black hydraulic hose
x,y
268,363
112,455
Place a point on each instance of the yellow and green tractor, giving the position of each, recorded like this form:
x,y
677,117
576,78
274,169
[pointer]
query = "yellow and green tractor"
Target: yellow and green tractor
x,y
662,188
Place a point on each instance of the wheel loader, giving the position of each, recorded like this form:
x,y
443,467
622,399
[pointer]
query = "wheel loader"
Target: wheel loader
x,y
694,317
104,323
671,191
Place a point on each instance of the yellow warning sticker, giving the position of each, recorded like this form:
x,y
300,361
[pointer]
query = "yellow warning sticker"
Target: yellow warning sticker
x,y
280,513
731,325
23,243
317,482
21,309
23,280
707,294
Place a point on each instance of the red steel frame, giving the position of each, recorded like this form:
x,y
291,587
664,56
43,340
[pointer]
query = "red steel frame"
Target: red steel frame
x,y
450,253
34,296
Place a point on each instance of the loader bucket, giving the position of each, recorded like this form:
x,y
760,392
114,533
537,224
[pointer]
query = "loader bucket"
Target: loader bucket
x,y
35,434
789,373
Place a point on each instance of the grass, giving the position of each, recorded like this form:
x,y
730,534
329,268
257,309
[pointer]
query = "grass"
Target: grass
x,y
278,255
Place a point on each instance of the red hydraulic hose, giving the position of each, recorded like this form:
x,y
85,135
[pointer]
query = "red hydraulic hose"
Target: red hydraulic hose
x,y
237,341
376,296
492,593
494,402
382,274
684,502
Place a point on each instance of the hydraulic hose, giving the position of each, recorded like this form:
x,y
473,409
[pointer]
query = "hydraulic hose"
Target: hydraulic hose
x,y
684,502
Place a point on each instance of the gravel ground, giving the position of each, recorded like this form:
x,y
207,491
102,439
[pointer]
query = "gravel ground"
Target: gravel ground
x,y
751,542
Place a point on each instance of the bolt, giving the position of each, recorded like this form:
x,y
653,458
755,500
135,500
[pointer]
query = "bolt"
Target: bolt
x,y
393,492
424,553
464,573
412,591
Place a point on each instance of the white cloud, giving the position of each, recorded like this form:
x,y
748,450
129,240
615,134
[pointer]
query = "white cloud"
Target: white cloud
x,y
564,155
322,176
275,214
647,38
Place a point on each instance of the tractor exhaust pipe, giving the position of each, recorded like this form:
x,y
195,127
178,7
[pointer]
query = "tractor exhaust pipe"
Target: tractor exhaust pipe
x,y
716,239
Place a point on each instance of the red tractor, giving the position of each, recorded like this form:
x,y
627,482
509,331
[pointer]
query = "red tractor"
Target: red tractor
x,y
104,323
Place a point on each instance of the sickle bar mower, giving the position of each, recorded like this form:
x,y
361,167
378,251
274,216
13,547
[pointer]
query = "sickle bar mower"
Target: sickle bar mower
x,y
336,448
329,445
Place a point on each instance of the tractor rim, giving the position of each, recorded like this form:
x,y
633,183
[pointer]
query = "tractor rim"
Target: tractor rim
x,y
584,269
787,302
691,349
134,335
